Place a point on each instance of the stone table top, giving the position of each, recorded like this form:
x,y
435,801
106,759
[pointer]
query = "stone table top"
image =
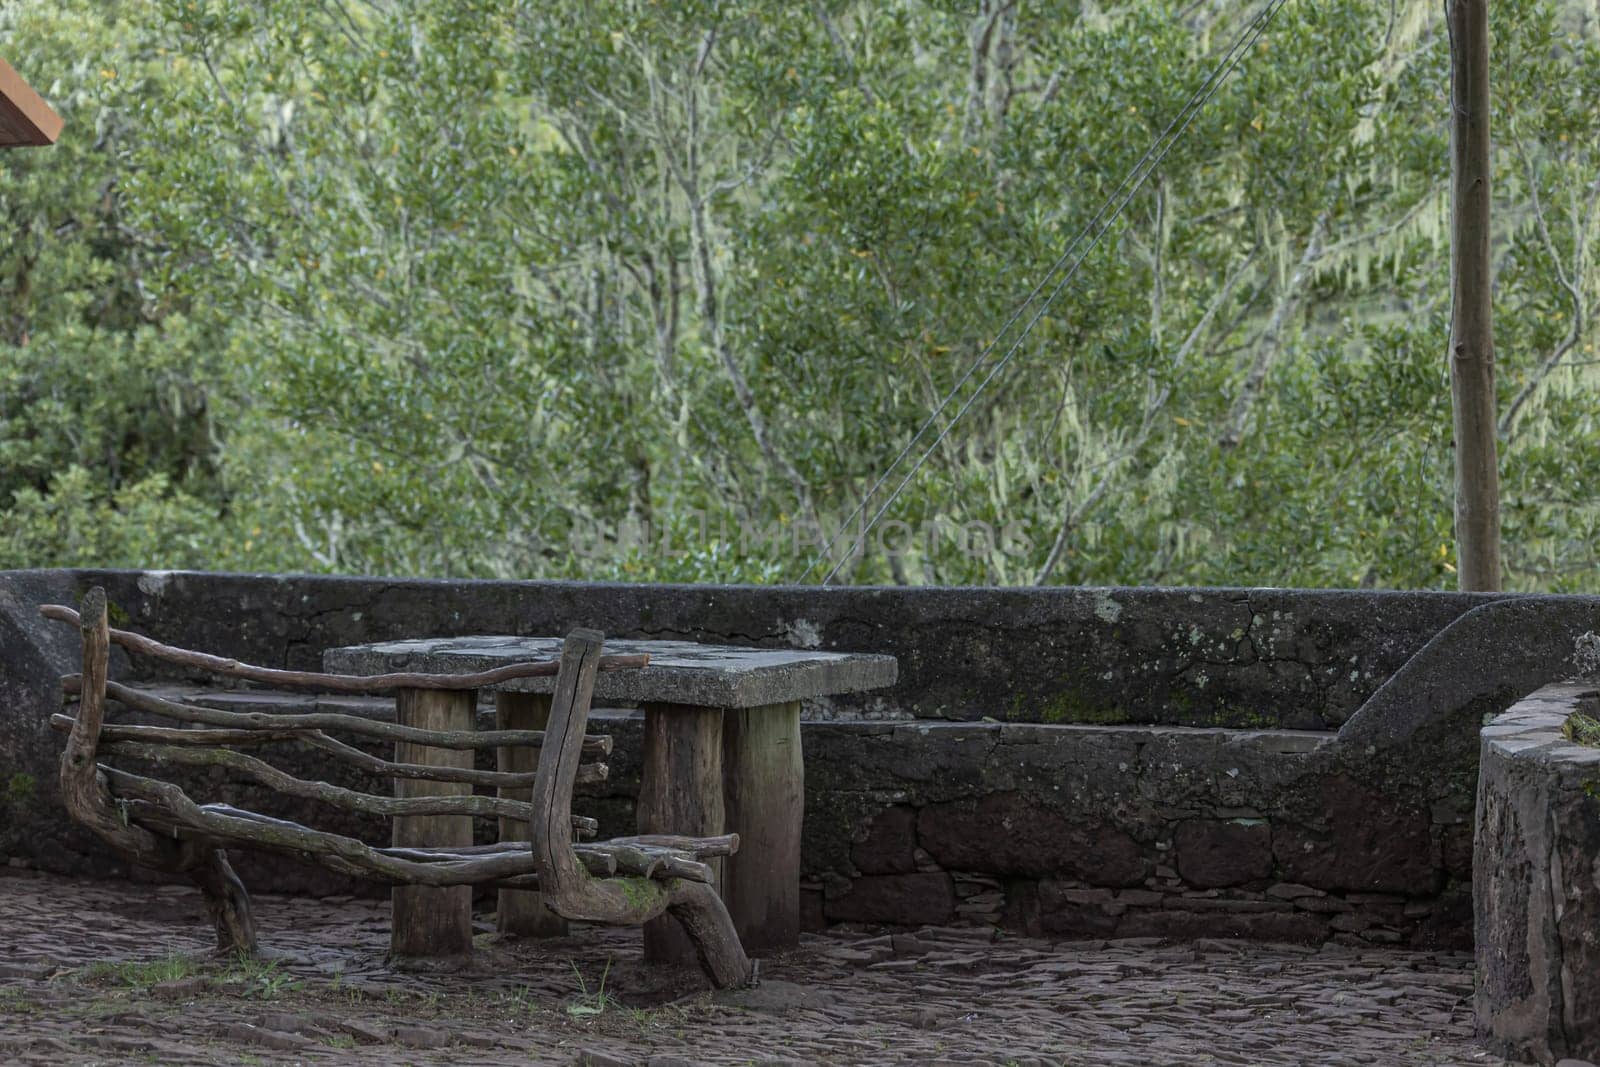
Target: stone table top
x,y
680,672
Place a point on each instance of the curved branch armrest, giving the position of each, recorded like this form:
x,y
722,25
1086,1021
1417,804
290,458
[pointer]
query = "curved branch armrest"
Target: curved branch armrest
x,y
569,888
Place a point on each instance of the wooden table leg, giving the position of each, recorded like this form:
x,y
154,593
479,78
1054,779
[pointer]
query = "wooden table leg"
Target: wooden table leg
x,y
522,911
680,792
428,921
765,797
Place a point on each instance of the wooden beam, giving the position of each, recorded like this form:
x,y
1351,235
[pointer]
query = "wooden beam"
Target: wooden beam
x,y
25,119
1471,294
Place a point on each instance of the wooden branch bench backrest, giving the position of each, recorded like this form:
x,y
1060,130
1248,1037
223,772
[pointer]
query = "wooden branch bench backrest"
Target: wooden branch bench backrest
x,y
155,823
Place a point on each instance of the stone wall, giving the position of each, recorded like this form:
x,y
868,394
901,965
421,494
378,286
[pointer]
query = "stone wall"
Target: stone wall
x,y
1249,658
1079,762
1134,831
1537,883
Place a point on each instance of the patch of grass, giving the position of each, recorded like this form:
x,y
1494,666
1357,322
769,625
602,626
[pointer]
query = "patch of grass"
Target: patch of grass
x,y
261,979
519,1001
1582,728
14,1001
657,1018
141,975
587,1003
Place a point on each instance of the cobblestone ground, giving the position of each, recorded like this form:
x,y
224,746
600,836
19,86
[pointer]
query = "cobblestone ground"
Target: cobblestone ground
x,y
111,972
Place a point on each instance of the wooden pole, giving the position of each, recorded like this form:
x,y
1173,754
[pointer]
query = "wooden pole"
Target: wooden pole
x,y
1471,319
680,792
764,796
432,922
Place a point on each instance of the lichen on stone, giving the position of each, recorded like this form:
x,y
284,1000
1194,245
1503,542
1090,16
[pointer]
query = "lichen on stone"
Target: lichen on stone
x,y
1586,652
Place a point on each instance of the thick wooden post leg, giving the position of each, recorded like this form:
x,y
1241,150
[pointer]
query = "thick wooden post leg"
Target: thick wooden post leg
x,y
705,922
228,903
428,921
680,792
521,911
766,795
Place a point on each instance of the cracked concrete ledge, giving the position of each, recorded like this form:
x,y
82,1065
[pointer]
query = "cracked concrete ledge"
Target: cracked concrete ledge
x,y
1536,880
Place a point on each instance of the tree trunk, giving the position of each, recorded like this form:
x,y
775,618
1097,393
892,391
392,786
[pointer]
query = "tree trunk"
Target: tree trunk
x,y
1471,320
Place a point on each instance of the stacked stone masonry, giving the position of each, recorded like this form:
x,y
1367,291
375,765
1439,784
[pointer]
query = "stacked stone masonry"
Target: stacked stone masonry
x,y
1537,884
1132,832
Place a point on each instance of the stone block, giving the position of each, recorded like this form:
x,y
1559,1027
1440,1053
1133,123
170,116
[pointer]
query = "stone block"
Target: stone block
x,y
1064,918
1224,852
1537,900
890,844
681,672
1008,835
1369,845
900,899
1292,891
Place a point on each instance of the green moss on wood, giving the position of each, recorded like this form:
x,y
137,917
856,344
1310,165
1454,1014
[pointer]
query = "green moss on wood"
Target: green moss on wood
x,y
640,893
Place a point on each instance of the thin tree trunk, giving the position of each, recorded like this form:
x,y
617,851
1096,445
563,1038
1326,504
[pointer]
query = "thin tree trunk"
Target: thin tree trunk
x,y
1471,321
710,311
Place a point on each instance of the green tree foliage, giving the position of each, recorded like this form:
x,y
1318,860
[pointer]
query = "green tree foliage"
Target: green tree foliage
x,y
109,440
635,289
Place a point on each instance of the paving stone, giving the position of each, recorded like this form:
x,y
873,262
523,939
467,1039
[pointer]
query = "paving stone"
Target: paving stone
x,y
596,1058
181,988
420,1037
967,999
370,1033
249,1034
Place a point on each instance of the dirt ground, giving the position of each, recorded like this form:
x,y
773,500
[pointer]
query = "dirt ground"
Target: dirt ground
x,y
113,973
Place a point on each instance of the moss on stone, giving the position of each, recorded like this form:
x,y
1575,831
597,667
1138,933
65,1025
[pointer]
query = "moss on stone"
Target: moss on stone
x,y
20,789
1064,708
1244,719
1582,728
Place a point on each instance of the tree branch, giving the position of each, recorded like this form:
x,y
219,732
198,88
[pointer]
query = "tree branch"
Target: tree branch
x,y
1272,338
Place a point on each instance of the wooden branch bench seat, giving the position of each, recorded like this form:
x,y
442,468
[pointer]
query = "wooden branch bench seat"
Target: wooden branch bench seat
x,y
627,880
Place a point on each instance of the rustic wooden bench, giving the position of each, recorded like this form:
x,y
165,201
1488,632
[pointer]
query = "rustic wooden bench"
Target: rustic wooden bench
x,y
155,823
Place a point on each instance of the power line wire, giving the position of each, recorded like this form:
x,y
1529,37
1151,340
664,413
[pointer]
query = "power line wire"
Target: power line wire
x,y
1098,225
